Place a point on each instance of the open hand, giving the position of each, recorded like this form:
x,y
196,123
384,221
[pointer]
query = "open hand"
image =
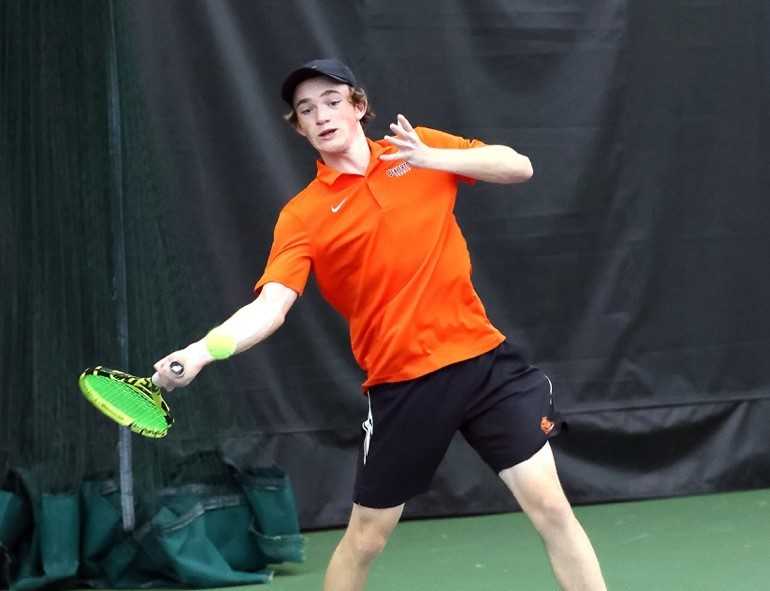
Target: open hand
x,y
409,147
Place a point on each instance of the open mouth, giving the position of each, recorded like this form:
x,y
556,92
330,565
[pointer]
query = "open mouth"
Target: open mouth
x,y
327,134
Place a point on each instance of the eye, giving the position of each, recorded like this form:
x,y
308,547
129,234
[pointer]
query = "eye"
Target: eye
x,y
305,111
335,103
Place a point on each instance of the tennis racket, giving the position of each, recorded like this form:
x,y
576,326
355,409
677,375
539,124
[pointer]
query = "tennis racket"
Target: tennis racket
x,y
134,402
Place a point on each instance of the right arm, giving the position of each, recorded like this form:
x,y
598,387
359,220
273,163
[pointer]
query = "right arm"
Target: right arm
x,y
250,325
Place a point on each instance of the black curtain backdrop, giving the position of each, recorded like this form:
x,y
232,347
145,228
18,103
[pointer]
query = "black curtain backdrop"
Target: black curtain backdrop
x,y
631,267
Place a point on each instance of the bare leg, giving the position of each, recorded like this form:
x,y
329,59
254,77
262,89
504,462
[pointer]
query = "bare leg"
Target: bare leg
x,y
365,537
537,489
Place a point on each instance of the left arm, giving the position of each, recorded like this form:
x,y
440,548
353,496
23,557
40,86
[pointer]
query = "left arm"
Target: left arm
x,y
493,164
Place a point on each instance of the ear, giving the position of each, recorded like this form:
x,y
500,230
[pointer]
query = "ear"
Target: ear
x,y
299,130
361,109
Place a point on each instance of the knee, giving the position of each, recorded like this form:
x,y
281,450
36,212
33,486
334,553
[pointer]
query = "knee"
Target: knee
x,y
551,514
365,544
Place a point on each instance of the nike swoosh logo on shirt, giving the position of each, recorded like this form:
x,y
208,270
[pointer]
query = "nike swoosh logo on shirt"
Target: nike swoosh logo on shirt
x,y
336,208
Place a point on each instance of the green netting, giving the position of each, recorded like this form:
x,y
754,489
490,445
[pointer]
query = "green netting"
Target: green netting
x,y
197,535
60,515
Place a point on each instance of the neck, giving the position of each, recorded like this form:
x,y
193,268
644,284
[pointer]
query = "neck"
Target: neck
x,y
354,160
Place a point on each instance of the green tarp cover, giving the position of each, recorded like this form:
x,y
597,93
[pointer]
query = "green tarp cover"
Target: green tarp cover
x,y
195,535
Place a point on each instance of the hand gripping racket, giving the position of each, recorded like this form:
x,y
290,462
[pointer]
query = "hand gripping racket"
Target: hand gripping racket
x,y
134,402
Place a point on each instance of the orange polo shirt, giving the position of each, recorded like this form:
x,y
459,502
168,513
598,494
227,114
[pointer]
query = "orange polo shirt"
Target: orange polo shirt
x,y
389,256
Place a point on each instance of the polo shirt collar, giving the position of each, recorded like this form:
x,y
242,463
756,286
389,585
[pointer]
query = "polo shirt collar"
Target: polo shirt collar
x,y
328,175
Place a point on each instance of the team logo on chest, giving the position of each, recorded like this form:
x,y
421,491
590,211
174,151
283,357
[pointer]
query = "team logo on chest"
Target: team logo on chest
x,y
399,169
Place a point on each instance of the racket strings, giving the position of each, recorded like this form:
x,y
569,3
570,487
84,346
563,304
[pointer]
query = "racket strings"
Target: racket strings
x,y
128,400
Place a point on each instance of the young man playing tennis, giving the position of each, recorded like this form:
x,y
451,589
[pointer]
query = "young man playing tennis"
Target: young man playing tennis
x,y
377,227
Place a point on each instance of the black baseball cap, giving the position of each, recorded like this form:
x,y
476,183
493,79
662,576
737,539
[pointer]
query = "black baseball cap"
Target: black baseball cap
x,y
331,68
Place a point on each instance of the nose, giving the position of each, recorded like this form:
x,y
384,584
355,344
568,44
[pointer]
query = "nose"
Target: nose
x,y
321,115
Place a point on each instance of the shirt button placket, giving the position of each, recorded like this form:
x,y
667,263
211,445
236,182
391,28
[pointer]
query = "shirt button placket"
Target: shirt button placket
x,y
378,199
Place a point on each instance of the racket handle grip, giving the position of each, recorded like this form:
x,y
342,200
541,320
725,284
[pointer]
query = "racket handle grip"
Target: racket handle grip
x,y
175,367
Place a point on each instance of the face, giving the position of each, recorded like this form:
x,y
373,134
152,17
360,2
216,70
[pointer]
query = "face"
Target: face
x,y
325,115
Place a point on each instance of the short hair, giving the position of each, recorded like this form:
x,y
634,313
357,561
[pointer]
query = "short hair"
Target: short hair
x,y
357,97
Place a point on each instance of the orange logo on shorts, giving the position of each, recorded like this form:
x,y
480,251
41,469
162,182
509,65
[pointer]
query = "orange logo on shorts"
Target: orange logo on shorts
x,y
546,425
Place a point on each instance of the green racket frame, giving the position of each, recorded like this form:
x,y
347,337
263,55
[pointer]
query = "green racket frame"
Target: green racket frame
x,y
141,389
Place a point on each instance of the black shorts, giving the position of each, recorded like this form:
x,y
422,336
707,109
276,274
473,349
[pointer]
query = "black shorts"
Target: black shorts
x,y
502,406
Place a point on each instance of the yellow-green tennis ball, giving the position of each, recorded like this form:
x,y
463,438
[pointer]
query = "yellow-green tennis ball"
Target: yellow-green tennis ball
x,y
221,346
